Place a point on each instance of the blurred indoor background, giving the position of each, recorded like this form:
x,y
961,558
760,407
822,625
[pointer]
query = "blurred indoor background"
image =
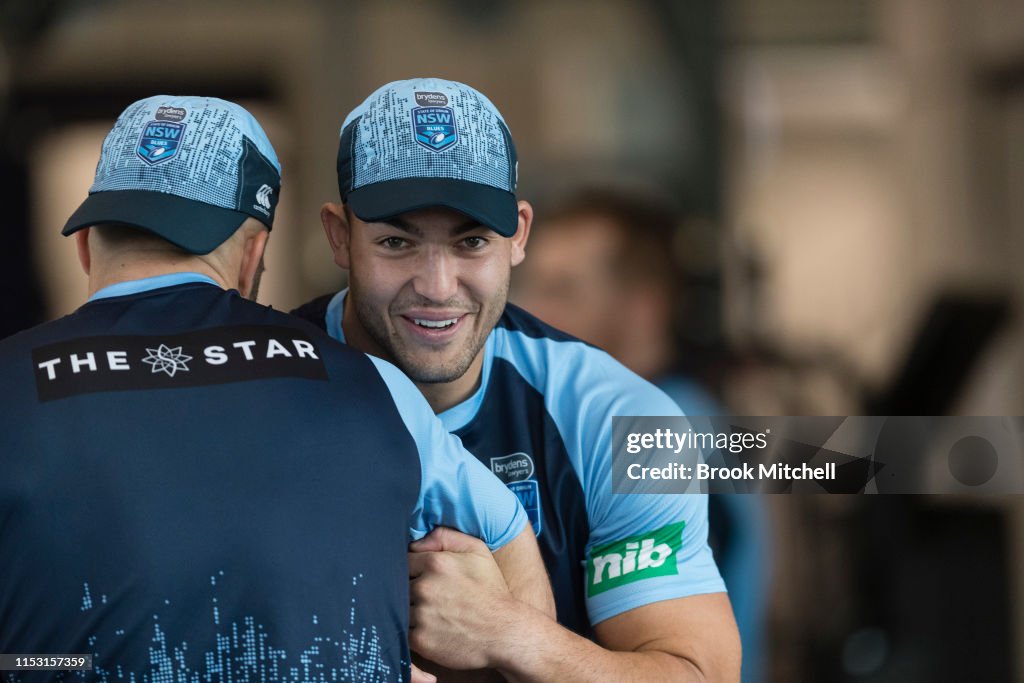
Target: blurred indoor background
x,y
846,178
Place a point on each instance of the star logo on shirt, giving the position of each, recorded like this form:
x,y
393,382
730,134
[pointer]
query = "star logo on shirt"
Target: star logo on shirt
x,y
166,359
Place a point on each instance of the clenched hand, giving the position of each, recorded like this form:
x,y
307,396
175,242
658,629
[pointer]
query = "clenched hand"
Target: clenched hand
x,y
461,606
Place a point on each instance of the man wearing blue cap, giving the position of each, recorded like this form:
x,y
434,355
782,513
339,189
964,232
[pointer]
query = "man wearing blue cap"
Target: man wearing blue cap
x,y
429,228
197,487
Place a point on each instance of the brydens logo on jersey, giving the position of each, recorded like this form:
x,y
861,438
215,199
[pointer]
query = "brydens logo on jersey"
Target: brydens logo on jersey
x,y
515,467
634,559
515,470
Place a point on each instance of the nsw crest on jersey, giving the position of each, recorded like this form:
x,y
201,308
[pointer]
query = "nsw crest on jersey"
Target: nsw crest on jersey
x,y
528,493
516,470
160,141
434,127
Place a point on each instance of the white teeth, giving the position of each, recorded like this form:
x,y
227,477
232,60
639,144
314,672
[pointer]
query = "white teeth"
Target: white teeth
x,y
435,324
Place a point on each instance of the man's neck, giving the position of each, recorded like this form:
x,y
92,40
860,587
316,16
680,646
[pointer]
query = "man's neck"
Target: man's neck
x,y
444,395
119,270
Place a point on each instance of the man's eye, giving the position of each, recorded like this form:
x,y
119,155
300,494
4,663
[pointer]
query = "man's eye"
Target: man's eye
x,y
475,242
393,242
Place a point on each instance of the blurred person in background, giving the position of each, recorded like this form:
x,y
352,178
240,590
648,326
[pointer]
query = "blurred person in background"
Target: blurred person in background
x,y
602,268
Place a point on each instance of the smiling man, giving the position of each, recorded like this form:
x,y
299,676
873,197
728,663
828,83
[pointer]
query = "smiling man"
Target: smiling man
x,y
439,324
429,229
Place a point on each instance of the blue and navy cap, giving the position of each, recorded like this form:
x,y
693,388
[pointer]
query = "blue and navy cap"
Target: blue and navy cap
x,y
428,142
188,169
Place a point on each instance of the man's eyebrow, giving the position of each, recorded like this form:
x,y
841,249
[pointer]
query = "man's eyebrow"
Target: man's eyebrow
x,y
397,222
469,226
403,225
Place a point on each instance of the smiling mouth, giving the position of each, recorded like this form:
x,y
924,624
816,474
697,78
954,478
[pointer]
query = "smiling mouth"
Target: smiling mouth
x,y
431,330
434,324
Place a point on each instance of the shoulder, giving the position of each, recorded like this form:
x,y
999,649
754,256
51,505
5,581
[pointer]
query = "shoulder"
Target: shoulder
x,y
515,319
314,311
44,334
307,324
197,315
14,347
582,387
570,371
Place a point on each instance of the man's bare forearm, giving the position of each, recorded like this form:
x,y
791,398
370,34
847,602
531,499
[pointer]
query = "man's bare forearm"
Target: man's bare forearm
x,y
465,617
521,565
545,651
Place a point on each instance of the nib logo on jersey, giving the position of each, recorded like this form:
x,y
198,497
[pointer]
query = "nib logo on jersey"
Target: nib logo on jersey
x,y
515,470
634,559
215,356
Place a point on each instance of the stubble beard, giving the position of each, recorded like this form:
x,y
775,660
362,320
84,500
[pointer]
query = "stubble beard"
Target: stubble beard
x,y
421,368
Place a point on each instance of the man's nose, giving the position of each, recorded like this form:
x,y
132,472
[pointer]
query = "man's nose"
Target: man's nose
x,y
437,276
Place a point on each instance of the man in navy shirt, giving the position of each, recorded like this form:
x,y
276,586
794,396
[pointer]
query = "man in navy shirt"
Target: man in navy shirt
x,y
197,487
429,230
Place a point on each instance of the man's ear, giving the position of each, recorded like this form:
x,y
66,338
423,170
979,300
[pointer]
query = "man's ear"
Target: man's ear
x,y
82,243
252,260
522,233
338,231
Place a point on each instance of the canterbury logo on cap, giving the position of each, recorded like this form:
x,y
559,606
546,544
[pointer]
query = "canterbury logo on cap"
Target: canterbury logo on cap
x,y
263,199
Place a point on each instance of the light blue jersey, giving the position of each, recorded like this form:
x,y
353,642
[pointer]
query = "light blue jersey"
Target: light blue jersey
x,y
455,490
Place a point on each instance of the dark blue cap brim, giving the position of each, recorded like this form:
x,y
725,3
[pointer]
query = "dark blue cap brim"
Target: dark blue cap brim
x,y
195,226
497,209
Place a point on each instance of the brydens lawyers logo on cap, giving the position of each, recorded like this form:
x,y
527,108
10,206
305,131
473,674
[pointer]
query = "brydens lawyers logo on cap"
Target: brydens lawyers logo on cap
x,y
433,123
431,99
161,138
170,113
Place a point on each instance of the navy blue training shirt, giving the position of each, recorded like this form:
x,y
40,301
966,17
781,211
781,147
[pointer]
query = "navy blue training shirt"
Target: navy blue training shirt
x,y
196,487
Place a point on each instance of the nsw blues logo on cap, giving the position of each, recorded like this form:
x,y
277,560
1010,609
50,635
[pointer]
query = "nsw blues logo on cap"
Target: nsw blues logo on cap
x,y
433,123
162,137
188,169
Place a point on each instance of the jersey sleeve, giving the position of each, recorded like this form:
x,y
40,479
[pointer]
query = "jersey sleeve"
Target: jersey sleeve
x,y
643,548
456,490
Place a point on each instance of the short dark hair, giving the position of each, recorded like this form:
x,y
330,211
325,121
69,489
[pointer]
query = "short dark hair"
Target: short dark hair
x,y
647,229
121,234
